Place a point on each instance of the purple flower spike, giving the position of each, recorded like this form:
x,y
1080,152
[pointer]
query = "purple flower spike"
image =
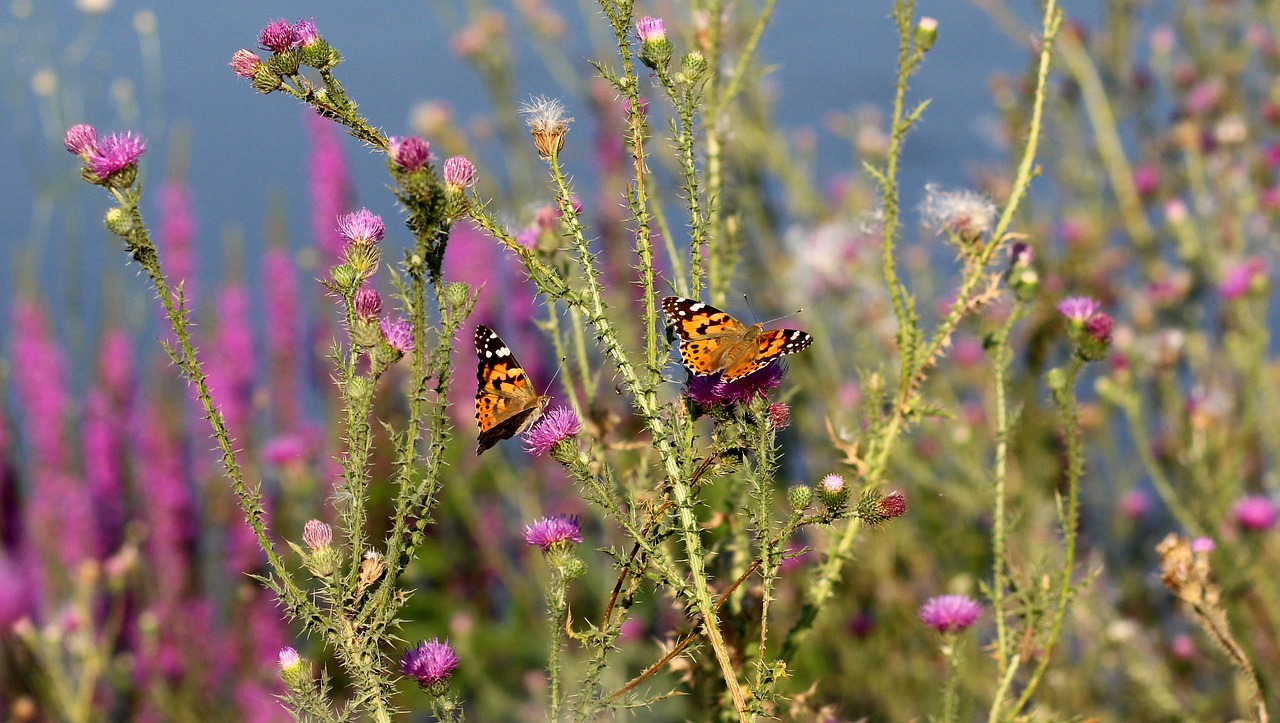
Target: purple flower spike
x,y
1256,513
409,154
278,36
950,613
81,139
459,173
361,227
1078,308
711,391
549,532
304,32
399,334
651,30
115,153
556,426
245,63
431,664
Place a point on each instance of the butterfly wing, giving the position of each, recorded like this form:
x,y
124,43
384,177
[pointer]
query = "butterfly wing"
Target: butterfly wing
x,y
707,335
506,402
769,345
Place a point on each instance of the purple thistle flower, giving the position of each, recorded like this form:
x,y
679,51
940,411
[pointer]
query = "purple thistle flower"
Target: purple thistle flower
x,y
459,173
245,62
1241,278
1099,326
556,426
832,484
711,391
651,29
81,139
550,532
950,613
1203,545
317,534
892,505
289,658
1078,308
398,333
779,415
361,227
367,303
431,664
115,153
408,153
1256,513
304,32
278,36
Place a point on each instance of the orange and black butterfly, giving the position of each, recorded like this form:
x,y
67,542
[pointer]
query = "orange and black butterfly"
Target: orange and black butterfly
x,y
506,403
712,341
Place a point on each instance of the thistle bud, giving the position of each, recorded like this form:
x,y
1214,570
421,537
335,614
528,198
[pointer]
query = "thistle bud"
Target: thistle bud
x,y
293,669
119,223
800,497
458,296
926,34
266,80
693,66
344,277
833,493
655,49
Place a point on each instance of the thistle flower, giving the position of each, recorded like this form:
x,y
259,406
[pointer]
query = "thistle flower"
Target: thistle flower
x,y
431,664
1240,279
317,535
555,427
289,658
81,139
892,505
833,493
779,415
278,36
398,333
1256,513
711,391
651,30
655,49
1078,308
408,153
116,154
361,227
966,214
547,123
459,173
950,613
245,62
367,304
304,33
550,532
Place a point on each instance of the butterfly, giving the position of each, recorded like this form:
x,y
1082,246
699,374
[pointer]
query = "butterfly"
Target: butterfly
x,y
712,341
506,403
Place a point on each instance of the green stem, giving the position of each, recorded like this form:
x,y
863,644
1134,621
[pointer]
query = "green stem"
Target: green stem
x,y
1000,563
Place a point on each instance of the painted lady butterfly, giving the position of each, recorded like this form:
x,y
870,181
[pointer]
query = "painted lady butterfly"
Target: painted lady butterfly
x,y
506,402
712,341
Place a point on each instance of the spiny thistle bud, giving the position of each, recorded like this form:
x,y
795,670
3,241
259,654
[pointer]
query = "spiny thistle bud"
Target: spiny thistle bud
x,y
317,534
409,154
460,175
344,277
876,507
119,222
693,66
655,49
779,415
548,124
926,34
323,559
286,63
359,389
293,669
314,51
458,296
800,497
266,79
1089,329
833,493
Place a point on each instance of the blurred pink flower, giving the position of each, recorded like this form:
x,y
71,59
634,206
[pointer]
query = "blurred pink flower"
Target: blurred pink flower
x,y
1242,277
176,235
283,316
1257,513
330,183
1135,504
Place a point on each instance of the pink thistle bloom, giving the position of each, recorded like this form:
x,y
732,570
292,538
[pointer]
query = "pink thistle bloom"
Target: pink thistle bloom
x,y
285,449
361,227
81,139
556,426
892,505
1241,277
367,303
651,30
1146,179
289,658
1078,308
430,663
1256,513
1135,505
409,153
278,36
304,32
950,613
245,62
779,415
832,484
1203,545
317,534
1099,326
459,173
115,153
550,532
710,390
399,334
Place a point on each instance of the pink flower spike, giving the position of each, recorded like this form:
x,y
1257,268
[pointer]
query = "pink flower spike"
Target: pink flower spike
x,y
1078,308
81,139
115,153
361,227
459,173
950,613
278,36
550,532
409,153
245,63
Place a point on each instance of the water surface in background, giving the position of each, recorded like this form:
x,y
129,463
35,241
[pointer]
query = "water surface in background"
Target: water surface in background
x,y
248,151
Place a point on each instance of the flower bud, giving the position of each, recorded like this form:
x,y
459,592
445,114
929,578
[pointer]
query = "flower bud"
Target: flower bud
x,y
926,34
266,80
119,222
800,497
344,277
833,493
693,66
655,49
458,296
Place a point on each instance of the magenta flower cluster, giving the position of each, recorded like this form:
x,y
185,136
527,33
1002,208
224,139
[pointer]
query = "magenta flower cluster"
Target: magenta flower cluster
x,y
711,391
550,532
556,426
950,613
431,663
279,36
107,157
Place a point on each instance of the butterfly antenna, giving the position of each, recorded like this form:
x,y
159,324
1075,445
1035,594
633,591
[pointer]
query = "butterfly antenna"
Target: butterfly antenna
x,y
547,391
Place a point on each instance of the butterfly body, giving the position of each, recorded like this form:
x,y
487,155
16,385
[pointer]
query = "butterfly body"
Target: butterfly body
x,y
506,402
714,342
